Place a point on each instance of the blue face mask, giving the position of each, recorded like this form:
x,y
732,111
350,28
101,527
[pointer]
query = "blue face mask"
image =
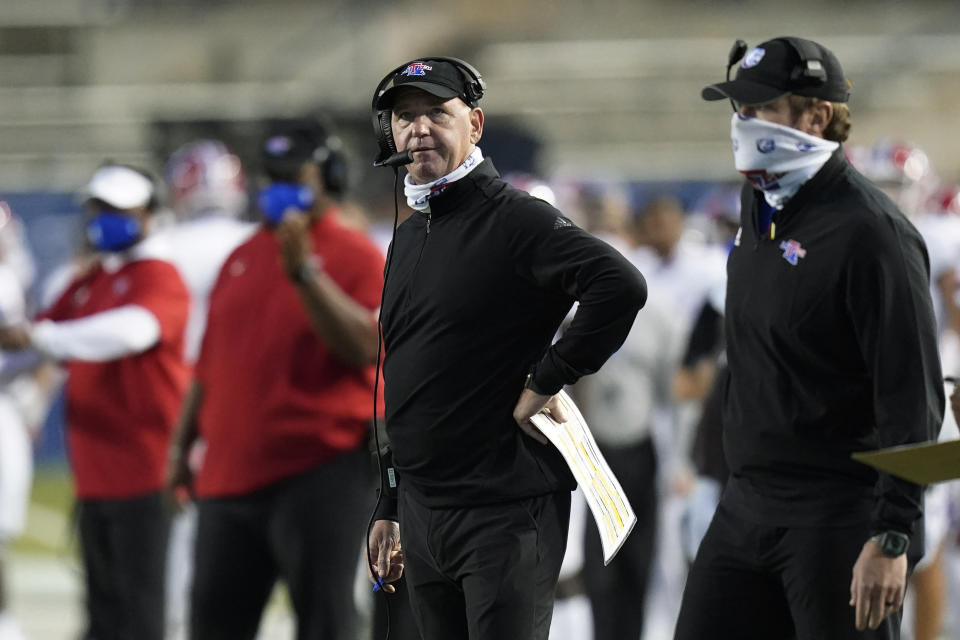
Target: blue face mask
x,y
113,231
280,196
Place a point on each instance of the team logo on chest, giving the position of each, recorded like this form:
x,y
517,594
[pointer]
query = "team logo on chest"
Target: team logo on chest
x,y
121,286
80,296
237,268
792,251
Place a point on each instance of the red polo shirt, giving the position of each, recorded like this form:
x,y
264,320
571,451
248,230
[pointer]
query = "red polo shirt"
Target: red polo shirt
x,y
276,400
121,413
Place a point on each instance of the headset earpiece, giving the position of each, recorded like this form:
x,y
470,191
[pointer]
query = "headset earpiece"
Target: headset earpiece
x,y
333,165
737,51
475,86
811,63
387,144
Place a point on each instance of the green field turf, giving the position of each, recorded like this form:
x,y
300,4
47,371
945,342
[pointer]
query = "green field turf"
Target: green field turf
x,y
48,520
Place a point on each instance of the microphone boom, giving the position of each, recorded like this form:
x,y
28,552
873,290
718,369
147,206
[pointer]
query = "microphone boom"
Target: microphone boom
x,y
398,159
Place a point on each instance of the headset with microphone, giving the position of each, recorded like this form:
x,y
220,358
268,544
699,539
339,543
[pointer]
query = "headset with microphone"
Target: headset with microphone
x,y
388,156
810,71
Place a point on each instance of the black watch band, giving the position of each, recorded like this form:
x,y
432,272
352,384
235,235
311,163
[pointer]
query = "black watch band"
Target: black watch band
x,y
892,543
530,384
303,274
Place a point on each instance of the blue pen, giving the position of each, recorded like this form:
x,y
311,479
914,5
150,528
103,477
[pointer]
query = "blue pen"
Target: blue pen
x,y
378,586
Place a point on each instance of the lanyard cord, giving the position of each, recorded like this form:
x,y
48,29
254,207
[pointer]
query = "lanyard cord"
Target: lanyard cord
x,y
376,388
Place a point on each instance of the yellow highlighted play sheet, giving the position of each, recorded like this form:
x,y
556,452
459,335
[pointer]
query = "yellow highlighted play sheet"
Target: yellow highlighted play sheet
x,y
926,463
608,504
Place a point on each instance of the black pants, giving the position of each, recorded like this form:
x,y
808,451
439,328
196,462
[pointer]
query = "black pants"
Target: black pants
x,y
617,592
771,583
486,572
124,549
392,616
307,530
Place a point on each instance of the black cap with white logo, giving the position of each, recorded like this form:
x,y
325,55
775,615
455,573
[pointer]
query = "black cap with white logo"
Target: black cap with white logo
x,y
783,66
291,144
437,77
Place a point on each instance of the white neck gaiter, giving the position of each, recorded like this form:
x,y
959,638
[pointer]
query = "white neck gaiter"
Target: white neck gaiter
x,y
418,195
776,159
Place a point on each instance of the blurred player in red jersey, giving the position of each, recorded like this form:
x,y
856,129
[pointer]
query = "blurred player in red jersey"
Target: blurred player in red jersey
x,y
282,397
119,330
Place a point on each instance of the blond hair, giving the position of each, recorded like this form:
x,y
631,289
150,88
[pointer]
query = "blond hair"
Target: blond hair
x,y
838,129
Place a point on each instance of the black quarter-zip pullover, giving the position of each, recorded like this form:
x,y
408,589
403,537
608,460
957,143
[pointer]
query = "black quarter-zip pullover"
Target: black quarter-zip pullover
x,y
476,291
832,348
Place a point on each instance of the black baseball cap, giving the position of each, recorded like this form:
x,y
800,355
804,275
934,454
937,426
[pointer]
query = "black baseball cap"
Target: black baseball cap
x,y
290,144
777,68
437,77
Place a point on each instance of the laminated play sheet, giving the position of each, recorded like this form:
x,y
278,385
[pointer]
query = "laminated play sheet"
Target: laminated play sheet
x,y
925,463
608,504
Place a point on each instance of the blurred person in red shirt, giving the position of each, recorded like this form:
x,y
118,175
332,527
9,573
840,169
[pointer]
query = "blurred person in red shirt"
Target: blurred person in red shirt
x,y
282,397
118,328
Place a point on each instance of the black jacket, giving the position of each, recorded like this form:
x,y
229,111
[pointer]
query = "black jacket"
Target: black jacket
x,y
475,292
832,349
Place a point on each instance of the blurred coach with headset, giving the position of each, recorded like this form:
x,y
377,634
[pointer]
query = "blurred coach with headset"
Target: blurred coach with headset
x,y
832,349
478,281
282,398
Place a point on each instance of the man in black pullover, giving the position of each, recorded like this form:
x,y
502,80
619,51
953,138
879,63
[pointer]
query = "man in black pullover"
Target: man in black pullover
x,y
479,279
832,349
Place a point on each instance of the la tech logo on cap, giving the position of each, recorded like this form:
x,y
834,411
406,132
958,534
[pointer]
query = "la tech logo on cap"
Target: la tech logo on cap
x,y
753,57
416,69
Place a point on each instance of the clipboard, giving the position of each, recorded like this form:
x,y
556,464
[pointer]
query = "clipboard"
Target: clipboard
x,y
611,510
926,463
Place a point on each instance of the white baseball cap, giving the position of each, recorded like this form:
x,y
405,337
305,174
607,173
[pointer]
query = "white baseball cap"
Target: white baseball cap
x,y
120,187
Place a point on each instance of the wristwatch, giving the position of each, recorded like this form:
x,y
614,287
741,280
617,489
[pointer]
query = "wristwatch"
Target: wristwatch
x,y
892,543
303,274
530,384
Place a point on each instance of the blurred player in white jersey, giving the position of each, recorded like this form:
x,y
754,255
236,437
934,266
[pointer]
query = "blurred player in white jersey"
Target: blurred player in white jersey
x,y
945,578
16,462
621,404
24,399
701,375
681,272
208,194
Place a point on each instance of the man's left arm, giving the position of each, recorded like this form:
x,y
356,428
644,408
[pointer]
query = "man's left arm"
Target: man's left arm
x,y
889,301
347,327
559,256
